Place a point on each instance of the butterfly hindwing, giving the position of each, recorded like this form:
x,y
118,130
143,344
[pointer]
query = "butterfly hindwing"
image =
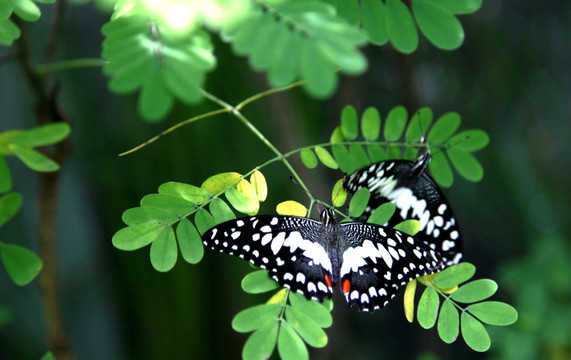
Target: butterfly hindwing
x,y
416,196
284,245
378,260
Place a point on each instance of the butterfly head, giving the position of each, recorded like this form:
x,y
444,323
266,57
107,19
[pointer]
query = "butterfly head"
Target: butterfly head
x,y
328,217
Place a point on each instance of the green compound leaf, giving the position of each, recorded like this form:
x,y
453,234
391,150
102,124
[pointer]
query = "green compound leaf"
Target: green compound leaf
x,y
469,140
359,202
342,157
316,311
382,214
173,204
474,291
419,124
255,317
428,308
164,250
448,322
440,169
217,184
258,282
474,333
337,135
400,26
42,135
10,204
188,192
137,236
260,185
21,264
396,121
239,201
262,342
494,313
444,127
189,242
439,25
143,55
299,39
308,158
373,19
410,227
466,164
142,215
359,158
326,158
311,333
371,123
221,211
290,345
203,221
349,122
454,275
34,159
27,10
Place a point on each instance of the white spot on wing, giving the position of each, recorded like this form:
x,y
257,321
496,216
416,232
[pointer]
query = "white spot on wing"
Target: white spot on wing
x,y
288,276
277,242
300,278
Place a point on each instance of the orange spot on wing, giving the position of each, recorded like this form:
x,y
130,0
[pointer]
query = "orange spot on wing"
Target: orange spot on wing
x,y
346,287
328,281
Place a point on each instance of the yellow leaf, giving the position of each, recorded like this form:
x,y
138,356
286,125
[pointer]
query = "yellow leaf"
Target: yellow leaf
x,y
279,297
409,300
291,207
248,189
218,183
259,182
338,195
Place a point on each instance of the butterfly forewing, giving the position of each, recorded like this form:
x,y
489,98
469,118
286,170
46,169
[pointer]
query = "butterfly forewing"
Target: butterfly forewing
x,y
416,196
378,260
287,246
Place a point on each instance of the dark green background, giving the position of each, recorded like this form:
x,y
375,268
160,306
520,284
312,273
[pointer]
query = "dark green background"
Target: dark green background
x,y
511,77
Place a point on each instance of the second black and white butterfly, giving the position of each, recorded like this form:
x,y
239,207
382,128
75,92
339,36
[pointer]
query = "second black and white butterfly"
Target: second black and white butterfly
x,y
310,257
416,196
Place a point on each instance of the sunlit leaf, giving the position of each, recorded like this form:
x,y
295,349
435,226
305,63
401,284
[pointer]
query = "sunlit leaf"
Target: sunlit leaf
x,y
137,236
221,211
141,215
291,207
240,202
246,188
316,311
218,183
168,203
382,214
326,158
359,202
410,227
308,158
259,183
409,300
338,194
203,221
188,192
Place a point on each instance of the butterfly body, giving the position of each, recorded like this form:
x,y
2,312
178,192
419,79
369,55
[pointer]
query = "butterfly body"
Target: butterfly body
x,y
416,196
308,256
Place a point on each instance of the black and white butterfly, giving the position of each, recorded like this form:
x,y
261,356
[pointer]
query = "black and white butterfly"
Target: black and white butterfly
x,y
416,196
308,256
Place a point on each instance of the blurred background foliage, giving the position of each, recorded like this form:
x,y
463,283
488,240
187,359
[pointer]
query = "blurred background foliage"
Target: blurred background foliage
x,y
511,77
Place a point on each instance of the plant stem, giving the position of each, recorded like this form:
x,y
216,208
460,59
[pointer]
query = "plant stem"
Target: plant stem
x,y
47,111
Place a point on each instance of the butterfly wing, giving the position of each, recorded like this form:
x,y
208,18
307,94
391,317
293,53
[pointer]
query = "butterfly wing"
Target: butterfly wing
x,y
416,196
287,246
376,261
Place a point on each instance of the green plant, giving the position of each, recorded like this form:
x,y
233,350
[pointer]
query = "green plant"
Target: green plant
x,y
180,213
